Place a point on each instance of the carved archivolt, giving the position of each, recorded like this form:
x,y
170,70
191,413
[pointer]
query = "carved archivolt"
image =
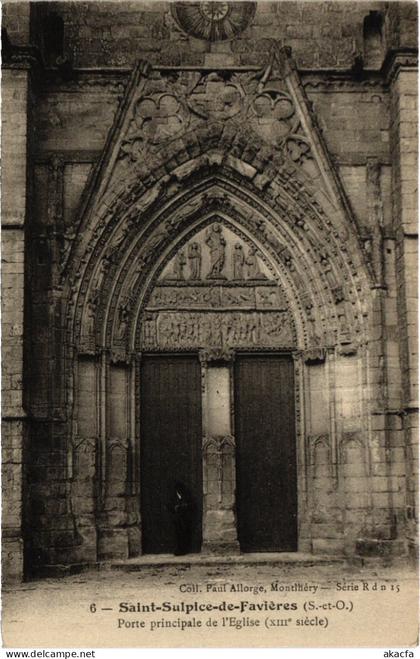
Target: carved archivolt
x,y
237,154
311,280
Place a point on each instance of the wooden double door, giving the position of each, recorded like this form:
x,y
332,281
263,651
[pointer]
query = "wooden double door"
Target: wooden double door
x,y
171,449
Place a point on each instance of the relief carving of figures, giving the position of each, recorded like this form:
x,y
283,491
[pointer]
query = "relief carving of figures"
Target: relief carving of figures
x,y
136,274
149,331
345,328
123,318
252,265
223,329
194,258
238,258
66,244
238,297
157,238
179,264
217,246
275,324
269,297
309,308
271,239
287,258
167,296
91,307
215,327
249,330
102,271
324,260
118,241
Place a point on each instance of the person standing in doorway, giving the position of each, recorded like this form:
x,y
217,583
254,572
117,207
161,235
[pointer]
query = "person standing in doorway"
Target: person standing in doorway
x,y
182,510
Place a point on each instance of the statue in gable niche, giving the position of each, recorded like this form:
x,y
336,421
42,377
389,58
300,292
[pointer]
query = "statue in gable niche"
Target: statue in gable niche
x,y
194,257
217,246
238,259
179,265
252,265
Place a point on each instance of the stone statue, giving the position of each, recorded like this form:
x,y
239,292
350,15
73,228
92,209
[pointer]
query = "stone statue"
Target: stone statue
x,y
217,246
123,317
194,256
102,271
91,313
238,259
253,267
179,265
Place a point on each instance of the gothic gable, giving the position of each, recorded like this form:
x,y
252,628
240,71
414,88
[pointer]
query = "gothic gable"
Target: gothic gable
x,y
260,118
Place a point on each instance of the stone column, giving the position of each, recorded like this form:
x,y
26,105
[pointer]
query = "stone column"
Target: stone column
x,y
219,468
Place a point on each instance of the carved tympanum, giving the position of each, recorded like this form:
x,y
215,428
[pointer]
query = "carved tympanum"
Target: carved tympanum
x,y
175,330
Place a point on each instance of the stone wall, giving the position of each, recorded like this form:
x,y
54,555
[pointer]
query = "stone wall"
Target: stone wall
x,y
321,34
358,466
15,151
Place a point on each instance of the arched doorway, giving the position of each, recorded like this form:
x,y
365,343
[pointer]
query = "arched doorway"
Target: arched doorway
x,y
245,263
217,395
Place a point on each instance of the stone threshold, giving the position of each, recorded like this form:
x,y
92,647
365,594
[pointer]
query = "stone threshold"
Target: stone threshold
x,y
260,558
159,561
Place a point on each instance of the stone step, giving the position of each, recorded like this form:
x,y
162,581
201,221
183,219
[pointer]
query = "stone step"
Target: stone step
x,y
158,561
168,560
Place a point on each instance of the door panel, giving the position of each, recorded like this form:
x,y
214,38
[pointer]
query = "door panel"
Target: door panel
x,y
170,451
266,453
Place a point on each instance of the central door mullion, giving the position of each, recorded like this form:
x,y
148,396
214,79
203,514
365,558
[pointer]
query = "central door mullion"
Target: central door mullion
x,y
219,475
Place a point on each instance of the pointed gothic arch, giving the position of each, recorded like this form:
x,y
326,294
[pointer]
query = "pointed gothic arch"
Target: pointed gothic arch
x,y
302,246
155,193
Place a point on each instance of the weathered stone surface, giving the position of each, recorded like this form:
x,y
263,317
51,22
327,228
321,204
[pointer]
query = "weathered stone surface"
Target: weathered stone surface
x,y
310,174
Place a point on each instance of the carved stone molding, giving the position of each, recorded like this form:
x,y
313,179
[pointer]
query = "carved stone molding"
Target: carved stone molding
x,y
376,219
119,355
348,350
314,356
315,441
397,60
219,442
216,355
87,349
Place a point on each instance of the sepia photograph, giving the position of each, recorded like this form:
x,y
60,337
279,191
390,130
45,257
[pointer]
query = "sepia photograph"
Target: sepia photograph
x,y
209,324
